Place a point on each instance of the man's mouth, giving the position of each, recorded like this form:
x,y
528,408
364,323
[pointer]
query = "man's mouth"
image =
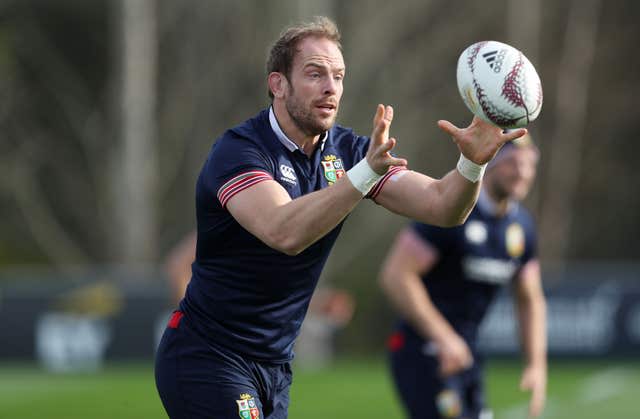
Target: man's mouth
x,y
327,106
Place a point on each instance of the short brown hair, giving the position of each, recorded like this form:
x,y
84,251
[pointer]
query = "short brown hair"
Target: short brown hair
x,y
284,49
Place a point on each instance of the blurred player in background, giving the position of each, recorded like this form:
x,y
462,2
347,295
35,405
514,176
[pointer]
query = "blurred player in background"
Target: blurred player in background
x,y
330,310
442,281
178,266
270,201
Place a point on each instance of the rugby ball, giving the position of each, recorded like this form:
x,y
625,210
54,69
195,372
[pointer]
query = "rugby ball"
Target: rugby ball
x,y
499,84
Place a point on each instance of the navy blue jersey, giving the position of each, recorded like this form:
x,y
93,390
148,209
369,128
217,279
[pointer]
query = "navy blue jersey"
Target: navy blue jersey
x,y
476,259
243,294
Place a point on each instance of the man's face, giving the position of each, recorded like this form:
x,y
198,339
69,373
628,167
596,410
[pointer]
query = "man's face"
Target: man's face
x,y
513,175
315,85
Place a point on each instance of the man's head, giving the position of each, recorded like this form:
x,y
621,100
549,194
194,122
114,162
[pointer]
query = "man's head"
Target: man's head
x,y
305,71
512,171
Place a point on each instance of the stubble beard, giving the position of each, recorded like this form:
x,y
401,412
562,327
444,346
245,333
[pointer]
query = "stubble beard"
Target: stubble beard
x,y
303,117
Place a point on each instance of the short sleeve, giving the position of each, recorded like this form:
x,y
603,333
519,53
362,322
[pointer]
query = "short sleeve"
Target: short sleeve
x,y
375,191
235,164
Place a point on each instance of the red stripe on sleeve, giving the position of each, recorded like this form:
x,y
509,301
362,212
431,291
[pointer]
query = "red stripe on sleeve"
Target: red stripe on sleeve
x,y
240,183
380,183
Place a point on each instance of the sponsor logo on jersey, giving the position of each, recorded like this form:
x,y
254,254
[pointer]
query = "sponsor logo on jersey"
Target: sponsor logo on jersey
x,y
475,232
288,174
514,240
448,403
247,408
489,270
333,168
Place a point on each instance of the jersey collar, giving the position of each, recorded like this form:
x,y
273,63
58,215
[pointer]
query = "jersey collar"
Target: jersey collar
x,y
282,137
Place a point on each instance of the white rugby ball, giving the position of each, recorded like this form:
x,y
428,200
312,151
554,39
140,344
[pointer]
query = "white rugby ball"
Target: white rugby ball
x,y
499,84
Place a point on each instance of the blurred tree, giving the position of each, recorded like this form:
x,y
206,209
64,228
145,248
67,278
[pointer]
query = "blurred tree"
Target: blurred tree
x,y
135,162
53,127
524,24
563,171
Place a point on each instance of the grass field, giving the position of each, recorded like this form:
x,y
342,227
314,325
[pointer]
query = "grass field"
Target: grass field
x,y
350,389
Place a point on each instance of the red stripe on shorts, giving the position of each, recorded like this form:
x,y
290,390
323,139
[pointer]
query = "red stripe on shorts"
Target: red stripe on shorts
x,y
395,342
174,321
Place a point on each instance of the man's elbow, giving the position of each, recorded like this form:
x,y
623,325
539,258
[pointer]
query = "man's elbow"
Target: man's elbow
x,y
453,220
284,243
291,250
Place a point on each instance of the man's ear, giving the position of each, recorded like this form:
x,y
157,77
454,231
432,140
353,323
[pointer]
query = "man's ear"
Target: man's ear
x,y
277,84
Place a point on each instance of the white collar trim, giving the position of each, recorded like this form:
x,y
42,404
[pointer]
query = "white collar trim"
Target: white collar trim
x,y
282,137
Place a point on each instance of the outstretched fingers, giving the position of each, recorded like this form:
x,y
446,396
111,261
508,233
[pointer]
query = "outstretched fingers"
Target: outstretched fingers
x,y
512,135
378,116
448,127
393,161
536,385
388,113
379,153
382,123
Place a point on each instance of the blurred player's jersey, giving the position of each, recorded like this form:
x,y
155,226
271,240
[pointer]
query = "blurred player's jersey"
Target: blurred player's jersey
x,y
475,260
244,295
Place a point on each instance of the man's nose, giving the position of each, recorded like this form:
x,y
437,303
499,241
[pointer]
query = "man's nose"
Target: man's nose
x,y
331,86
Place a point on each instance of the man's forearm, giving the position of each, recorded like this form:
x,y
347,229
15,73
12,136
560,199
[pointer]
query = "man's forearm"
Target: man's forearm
x,y
532,316
295,225
457,197
411,299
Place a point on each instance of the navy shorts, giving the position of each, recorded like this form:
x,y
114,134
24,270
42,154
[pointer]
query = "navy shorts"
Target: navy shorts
x,y
423,392
197,380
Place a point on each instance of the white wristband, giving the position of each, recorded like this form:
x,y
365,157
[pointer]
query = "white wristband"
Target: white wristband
x,y
363,177
470,170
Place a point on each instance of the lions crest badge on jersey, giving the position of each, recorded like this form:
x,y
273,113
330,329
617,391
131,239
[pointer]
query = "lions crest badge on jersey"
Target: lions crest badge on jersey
x,y
514,240
448,403
247,408
333,168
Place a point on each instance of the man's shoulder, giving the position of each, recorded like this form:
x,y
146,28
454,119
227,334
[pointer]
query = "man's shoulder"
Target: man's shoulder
x,y
524,215
345,140
250,129
246,133
341,133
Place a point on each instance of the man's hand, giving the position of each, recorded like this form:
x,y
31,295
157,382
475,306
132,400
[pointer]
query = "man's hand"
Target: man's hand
x,y
480,141
453,354
378,155
534,379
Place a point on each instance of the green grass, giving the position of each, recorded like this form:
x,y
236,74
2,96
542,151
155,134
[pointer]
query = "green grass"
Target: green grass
x,y
122,391
585,390
350,389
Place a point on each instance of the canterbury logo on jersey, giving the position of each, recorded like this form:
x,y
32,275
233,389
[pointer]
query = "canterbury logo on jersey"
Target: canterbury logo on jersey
x,y
288,174
240,183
